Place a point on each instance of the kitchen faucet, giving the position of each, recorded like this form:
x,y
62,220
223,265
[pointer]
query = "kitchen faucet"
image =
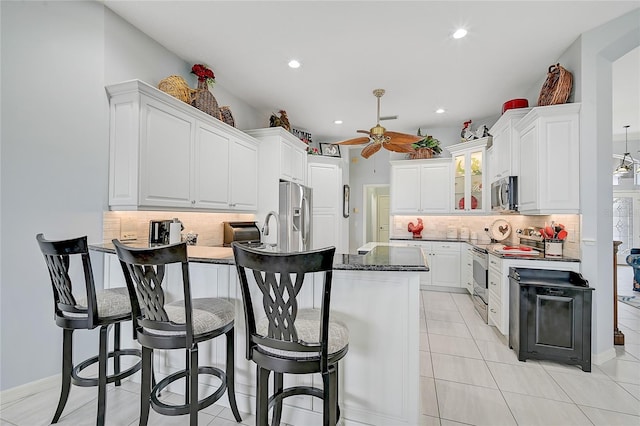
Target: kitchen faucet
x,y
265,227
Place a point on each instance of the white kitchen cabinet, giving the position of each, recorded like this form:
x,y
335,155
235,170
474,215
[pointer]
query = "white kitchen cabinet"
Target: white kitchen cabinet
x,y
282,152
498,283
466,267
281,156
420,186
502,155
243,176
494,284
470,193
164,153
443,259
293,160
325,178
548,141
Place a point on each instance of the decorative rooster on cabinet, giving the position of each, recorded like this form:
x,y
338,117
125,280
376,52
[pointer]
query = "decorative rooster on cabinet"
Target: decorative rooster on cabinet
x,y
416,229
282,121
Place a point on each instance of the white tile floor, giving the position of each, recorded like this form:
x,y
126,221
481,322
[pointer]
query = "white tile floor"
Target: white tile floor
x,y
468,376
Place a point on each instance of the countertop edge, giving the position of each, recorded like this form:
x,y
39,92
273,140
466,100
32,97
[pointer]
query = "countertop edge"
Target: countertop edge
x,y
483,244
339,265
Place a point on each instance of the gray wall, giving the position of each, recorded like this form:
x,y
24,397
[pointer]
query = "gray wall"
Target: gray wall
x,y
56,59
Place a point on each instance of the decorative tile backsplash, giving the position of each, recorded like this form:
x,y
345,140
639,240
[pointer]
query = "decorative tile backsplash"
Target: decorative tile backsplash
x,y
437,226
208,226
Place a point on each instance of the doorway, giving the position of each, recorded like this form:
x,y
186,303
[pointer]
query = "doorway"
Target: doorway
x,y
382,228
375,213
626,222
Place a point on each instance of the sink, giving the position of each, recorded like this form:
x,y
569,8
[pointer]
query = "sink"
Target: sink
x,y
261,246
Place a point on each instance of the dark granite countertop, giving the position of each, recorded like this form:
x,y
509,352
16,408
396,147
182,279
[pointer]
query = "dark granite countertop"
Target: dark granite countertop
x,y
381,258
491,248
435,239
494,250
384,258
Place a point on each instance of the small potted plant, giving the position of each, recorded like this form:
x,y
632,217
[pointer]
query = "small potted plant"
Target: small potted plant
x,y
426,147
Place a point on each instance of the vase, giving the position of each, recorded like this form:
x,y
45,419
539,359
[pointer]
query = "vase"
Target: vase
x,y
205,101
421,153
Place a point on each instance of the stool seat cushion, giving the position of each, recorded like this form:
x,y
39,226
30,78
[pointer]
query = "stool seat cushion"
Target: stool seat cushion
x,y
308,327
113,302
209,314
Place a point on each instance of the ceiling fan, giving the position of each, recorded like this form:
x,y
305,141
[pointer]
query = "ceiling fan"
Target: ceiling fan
x,y
379,137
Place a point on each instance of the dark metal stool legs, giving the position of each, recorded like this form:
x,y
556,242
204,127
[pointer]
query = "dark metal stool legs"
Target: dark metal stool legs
x,y
145,387
278,385
230,369
67,366
262,400
102,374
330,391
70,374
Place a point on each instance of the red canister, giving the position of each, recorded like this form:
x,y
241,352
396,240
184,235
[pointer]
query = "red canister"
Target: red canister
x,y
515,103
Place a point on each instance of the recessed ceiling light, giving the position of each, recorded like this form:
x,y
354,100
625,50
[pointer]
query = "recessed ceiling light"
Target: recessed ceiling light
x,y
440,111
461,32
294,64
337,122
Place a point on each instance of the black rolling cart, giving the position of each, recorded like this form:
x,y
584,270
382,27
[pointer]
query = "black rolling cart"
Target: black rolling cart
x,y
550,316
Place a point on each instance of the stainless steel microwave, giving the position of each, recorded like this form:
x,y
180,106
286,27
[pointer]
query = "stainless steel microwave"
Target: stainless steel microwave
x,y
504,195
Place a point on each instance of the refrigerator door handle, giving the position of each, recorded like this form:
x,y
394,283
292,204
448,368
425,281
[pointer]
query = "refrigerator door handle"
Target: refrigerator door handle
x,y
305,224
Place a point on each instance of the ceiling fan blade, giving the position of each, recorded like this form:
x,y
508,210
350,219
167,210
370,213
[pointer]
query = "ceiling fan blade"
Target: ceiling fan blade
x,y
402,138
370,149
363,131
398,148
354,141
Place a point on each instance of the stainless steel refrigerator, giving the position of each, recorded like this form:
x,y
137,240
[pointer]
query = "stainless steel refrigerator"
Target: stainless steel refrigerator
x,y
295,217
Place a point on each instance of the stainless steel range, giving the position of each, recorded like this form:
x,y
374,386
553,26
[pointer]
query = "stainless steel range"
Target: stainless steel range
x,y
480,282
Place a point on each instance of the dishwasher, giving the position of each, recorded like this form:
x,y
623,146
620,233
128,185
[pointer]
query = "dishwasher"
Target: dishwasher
x,y
480,260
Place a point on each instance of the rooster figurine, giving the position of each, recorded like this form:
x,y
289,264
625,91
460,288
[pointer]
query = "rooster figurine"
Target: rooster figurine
x,y
282,121
416,229
466,134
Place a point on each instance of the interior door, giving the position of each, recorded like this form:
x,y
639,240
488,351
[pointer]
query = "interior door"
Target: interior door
x,y
626,222
383,218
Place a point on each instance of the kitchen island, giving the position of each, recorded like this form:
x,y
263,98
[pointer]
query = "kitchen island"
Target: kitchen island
x,y
376,295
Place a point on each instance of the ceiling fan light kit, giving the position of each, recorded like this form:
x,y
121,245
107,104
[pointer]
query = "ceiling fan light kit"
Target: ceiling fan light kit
x,y
378,137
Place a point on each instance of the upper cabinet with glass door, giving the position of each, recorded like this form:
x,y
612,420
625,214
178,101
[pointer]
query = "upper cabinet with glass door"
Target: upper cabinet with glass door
x,y
470,178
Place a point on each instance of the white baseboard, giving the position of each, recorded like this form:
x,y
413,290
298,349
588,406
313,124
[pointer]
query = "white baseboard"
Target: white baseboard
x,y
22,391
603,357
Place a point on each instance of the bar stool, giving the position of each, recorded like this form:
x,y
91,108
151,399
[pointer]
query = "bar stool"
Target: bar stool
x,y
176,325
102,309
287,339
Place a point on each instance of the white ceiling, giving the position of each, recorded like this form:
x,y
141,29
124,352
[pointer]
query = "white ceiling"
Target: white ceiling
x,y
347,49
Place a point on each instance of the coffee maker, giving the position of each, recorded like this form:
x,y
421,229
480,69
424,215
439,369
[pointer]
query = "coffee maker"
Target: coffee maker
x,y
159,232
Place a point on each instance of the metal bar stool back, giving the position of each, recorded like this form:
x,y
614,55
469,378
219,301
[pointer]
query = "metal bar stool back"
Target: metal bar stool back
x,y
283,335
181,324
87,311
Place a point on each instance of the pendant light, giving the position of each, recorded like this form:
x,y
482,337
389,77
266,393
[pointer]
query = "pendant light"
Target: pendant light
x,y
626,165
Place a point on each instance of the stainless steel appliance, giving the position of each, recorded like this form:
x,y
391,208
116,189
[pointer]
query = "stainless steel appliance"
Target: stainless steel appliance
x,y
245,232
504,195
294,217
159,232
480,282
